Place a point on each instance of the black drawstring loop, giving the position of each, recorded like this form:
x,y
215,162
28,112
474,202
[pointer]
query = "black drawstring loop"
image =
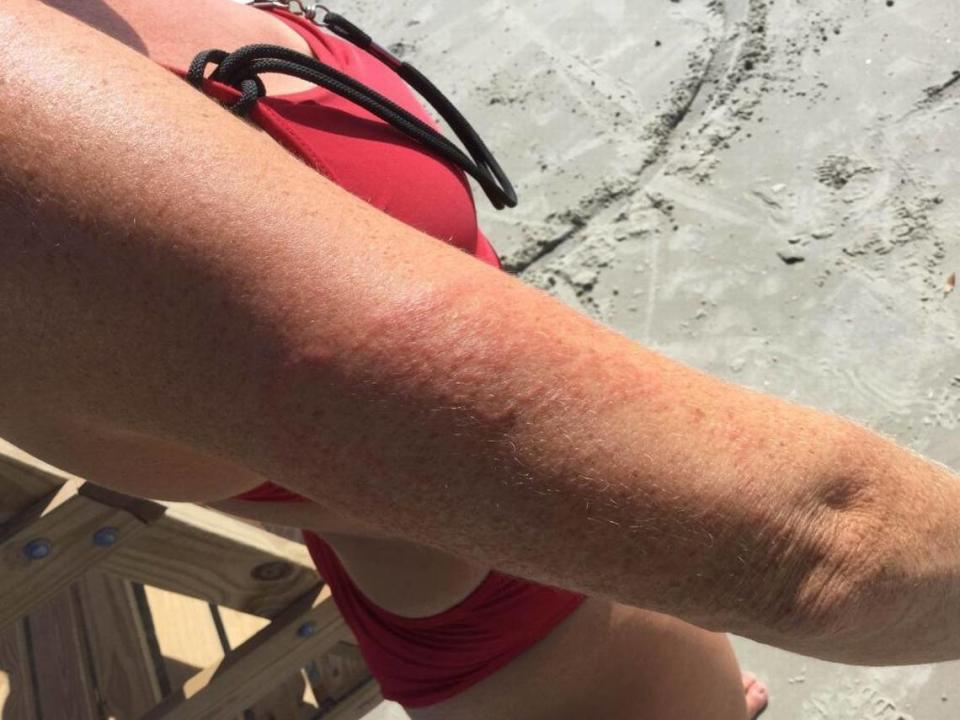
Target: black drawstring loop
x,y
242,69
251,87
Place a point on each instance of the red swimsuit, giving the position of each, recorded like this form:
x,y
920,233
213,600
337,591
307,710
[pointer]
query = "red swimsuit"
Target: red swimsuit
x,y
420,661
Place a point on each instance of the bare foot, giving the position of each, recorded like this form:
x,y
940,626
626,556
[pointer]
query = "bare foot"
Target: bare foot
x,y
756,695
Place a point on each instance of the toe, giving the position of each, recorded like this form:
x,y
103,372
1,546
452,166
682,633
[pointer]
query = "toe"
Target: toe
x,y
756,696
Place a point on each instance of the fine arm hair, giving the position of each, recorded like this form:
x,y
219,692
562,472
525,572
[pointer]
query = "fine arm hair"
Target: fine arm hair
x,y
168,272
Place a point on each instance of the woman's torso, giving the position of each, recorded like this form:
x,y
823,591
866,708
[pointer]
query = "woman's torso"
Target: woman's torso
x,y
591,665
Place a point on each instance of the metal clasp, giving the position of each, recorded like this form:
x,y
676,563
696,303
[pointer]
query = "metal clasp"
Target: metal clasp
x,y
308,10
303,8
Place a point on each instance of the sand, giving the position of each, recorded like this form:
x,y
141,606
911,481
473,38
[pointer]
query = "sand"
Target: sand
x,y
763,189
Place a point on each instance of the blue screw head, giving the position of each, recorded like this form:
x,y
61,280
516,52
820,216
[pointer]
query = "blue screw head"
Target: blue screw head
x,y
307,629
105,537
37,549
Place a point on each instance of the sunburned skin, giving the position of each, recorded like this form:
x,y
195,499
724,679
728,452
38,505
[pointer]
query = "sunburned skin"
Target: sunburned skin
x,y
188,309
606,660
174,33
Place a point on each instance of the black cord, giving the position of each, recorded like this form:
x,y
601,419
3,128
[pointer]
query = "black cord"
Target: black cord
x,y
241,69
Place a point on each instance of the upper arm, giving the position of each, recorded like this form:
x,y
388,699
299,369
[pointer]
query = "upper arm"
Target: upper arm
x,y
152,244
162,261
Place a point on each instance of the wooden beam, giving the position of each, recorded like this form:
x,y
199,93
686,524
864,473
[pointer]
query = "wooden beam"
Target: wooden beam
x,y
42,556
284,700
24,481
192,551
16,680
122,664
337,674
355,705
209,555
310,627
288,697
65,687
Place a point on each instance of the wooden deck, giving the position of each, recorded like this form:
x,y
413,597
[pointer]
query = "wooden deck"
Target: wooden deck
x,y
117,608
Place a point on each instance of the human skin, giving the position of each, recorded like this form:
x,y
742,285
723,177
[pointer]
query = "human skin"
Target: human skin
x,y
605,660
358,363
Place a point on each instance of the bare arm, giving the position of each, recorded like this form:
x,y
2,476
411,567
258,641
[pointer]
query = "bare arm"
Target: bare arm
x,y
167,271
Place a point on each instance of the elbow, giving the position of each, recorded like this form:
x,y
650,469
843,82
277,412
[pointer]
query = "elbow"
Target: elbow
x,y
825,600
826,605
836,557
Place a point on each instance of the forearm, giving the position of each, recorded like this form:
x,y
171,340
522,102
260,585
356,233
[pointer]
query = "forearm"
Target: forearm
x,y
581,459
233,301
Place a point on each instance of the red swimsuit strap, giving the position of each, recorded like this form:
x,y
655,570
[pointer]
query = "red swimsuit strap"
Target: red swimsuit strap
x,y
268,492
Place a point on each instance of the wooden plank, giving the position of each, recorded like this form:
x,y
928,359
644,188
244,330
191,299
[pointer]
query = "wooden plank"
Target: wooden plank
x,y
241,626
24,480
295,697
65,686
337,674
209,555
285,700
16,682
193,551
122,663
355,705
70,546
185,633
309,628
292,697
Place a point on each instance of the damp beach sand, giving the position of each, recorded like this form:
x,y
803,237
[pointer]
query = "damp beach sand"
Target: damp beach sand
x,y
768,190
